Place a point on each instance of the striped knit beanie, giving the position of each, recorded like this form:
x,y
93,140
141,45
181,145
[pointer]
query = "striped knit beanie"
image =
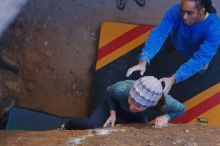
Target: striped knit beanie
x,y
146,91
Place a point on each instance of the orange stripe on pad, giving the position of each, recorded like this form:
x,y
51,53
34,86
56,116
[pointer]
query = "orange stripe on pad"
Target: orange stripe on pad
x,y
211,115
202,96
121,51
199,109
122,40
111,30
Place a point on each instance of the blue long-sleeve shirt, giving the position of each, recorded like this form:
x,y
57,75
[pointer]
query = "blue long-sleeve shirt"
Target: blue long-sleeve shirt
x,y
198,41
118,93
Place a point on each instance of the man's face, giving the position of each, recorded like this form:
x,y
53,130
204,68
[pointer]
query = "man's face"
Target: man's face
x,y
190,13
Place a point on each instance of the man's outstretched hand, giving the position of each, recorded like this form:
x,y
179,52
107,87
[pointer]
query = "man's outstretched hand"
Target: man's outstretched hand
x,y
168,84
139,67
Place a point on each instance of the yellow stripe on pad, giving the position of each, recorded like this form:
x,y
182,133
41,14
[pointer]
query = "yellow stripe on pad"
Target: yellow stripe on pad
x,y
111,30
121,51
202,96
213,118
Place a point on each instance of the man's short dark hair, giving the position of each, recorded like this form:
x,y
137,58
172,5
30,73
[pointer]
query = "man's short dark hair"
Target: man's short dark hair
x,y
207,4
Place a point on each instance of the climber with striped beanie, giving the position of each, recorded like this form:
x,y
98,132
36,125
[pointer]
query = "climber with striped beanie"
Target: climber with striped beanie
x,y
131,101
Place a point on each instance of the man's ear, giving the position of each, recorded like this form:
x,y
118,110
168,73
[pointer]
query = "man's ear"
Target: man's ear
x,y
202,11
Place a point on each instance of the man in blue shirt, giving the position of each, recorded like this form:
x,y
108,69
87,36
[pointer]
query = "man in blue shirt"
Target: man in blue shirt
x,y
194,30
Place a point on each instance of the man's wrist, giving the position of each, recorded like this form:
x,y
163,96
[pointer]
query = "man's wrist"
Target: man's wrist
x,y
112,112
142,62
173,79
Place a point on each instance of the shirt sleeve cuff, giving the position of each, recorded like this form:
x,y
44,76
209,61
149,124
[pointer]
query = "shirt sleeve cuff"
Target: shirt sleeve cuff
x,y
177,77
168,117
144,57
